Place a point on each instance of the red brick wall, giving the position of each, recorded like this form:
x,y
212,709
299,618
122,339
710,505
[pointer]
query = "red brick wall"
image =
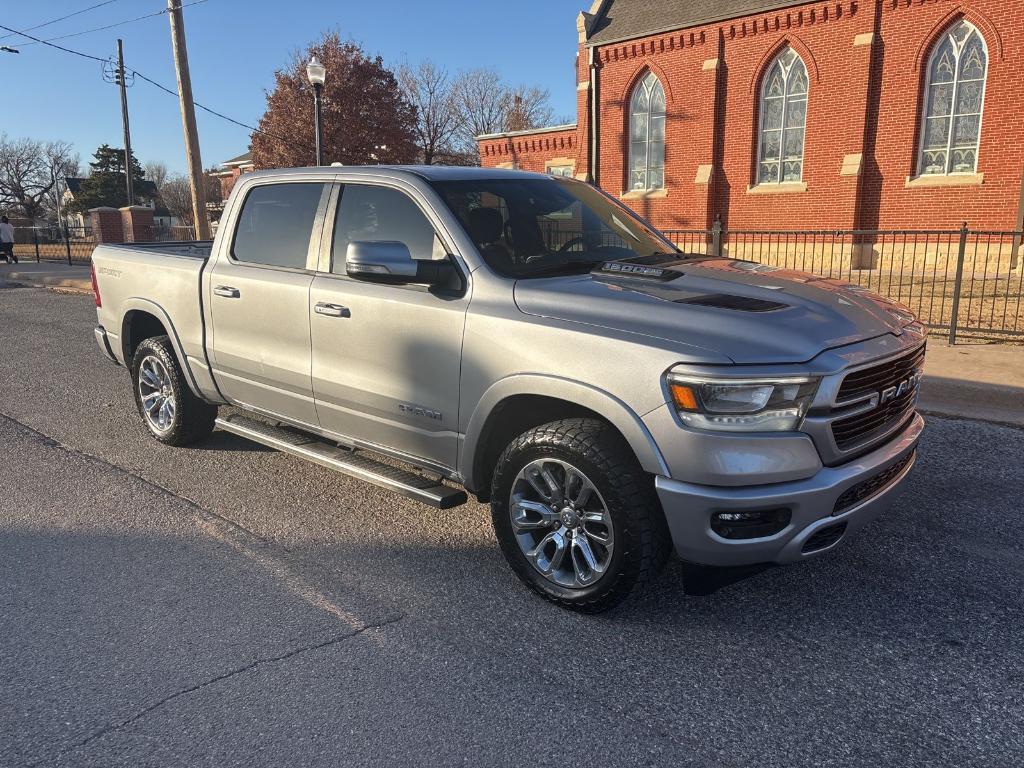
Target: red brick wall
x,y
529,152
864,99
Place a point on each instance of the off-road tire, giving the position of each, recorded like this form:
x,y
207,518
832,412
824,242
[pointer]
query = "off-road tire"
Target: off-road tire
x,y
193,419
642,541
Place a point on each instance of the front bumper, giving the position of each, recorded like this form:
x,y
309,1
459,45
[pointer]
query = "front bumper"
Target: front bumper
x,y
104,344
812,502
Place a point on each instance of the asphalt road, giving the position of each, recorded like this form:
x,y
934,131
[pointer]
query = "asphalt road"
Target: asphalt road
x,y
225,605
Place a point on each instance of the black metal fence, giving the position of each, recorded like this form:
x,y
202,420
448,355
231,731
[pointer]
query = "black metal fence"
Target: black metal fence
x,y
53,243
964,282
75,244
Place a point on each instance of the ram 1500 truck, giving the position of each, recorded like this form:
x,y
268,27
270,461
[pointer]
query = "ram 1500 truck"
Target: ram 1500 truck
x,y
532,341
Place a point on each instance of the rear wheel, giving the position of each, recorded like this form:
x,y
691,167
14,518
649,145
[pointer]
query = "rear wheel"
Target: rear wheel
x,y
168,408
576,516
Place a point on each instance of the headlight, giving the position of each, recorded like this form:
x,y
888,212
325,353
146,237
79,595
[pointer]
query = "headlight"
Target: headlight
x,y
742,405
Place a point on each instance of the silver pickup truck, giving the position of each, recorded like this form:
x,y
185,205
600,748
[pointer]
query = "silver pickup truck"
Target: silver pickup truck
x,y
529,340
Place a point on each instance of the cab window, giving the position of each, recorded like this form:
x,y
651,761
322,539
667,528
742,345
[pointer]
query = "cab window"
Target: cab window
x,y
369,213
276,223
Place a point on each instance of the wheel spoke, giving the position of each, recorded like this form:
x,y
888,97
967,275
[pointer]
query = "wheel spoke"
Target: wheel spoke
x,y
534,479
164,417
538,555
589,569
582,496
604,539
150,401
149,378
554,486
531,515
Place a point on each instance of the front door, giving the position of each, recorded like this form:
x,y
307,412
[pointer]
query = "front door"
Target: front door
x,y
259,300
386,358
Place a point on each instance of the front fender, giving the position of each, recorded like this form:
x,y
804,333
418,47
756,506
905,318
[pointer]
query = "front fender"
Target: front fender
x,y
620,415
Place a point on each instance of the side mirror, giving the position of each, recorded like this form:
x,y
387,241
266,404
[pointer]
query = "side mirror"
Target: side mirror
x,y
388,261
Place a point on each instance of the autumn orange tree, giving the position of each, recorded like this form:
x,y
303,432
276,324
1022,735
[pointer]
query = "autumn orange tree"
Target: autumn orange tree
x,y
367,119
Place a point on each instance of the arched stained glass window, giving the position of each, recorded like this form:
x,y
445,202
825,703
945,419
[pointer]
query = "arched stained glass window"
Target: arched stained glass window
x,y
647,135
954,100
783,120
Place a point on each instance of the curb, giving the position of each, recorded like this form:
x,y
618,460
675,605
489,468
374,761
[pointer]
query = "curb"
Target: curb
x,y
970,400
79,285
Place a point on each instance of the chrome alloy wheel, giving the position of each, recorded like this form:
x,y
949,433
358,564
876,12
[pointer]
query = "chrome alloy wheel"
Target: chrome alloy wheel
x,y
561,523
156,393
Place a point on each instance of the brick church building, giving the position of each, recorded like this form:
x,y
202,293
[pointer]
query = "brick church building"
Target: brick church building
x,y
851,114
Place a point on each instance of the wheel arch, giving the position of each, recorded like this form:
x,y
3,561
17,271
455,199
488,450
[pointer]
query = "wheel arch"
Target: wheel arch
x,y
143,319
518,403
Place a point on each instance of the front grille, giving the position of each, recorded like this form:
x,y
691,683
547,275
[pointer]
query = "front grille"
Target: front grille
x,y
824,538
862,428
872,486
867,426
879,377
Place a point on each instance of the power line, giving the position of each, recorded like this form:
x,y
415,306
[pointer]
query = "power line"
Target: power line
x,y
111,26
62,18
164,88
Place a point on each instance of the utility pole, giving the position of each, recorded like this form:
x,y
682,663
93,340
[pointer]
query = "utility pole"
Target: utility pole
x,y
124,119
188,120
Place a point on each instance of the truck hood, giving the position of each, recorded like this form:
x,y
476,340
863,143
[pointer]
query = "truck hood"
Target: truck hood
x,y
751,313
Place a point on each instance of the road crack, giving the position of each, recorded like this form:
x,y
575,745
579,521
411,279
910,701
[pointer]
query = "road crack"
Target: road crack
x,y
228,675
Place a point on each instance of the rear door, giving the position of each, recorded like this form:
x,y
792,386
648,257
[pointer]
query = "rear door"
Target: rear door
x,y
259,300
386,360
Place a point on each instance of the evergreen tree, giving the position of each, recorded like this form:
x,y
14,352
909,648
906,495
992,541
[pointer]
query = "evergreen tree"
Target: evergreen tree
x,y
105,185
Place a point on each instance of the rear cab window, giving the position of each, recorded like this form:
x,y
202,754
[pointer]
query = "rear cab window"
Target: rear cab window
x,y
276,224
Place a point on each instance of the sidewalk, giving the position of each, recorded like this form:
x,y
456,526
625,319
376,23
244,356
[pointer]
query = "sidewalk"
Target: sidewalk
x,y
48,274
974,381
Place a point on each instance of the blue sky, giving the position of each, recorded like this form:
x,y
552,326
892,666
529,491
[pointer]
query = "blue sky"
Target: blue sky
x,y
234,48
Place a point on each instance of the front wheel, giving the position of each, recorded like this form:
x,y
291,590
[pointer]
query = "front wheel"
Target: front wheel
x,y
576,516
168,408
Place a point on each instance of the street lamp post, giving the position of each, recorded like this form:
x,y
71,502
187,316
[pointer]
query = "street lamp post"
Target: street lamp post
x,y
317,74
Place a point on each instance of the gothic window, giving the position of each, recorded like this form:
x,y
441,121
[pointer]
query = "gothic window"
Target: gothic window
x,y
647,135
954,97
783,120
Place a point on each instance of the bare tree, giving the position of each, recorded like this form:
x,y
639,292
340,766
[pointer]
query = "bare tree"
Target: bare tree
x,y
528,107
481,99
430,89
486,104
157,173
29,171
176,194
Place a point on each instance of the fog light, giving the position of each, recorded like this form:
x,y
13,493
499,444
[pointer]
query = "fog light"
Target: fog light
x,y
753,524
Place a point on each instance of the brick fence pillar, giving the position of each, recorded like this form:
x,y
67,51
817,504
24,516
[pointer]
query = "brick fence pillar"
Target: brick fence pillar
x,y
106,225
137,221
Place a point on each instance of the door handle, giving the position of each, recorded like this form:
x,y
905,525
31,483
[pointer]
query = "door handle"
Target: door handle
x,y
331,310
227,292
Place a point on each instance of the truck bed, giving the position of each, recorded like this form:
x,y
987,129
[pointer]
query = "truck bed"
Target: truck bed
x,y
192,249
158,279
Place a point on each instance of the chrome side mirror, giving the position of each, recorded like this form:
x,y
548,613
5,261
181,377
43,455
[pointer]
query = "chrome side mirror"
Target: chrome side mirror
x,y
383,260
389,261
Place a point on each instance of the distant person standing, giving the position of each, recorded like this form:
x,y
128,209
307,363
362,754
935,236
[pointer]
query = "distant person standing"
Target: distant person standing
x,y
7,241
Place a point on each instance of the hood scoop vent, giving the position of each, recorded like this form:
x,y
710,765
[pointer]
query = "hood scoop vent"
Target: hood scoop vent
x,y
735,303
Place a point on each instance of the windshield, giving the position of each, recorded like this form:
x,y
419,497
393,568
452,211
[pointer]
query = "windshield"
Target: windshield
x,y
533,227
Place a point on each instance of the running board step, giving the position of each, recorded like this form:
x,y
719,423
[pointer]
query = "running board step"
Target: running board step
x,y
352,463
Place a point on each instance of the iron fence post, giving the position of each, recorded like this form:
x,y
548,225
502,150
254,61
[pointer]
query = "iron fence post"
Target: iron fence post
x,y
958,284
67,243
35,241
716,237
